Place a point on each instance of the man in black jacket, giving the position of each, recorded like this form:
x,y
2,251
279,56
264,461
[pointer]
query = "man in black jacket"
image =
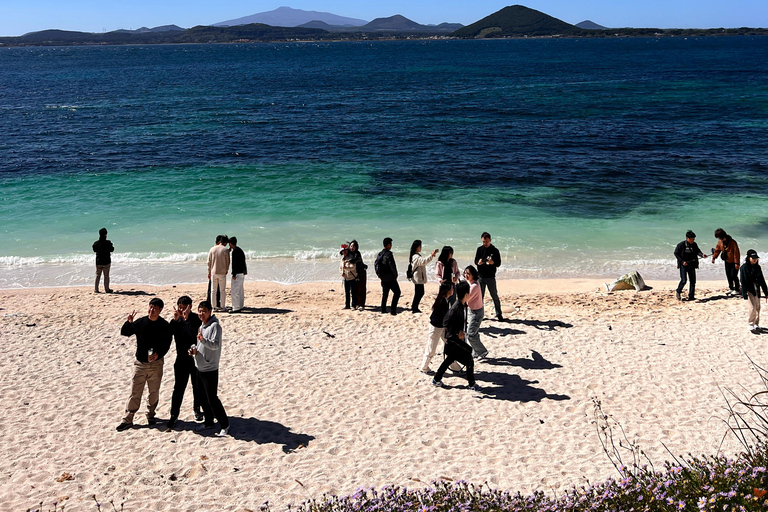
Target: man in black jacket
x,y
103,247
387,271
687,254
239,270
185,325
153,339
488,259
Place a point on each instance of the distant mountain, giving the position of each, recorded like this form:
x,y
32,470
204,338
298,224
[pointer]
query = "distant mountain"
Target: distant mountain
x,y
399,23
287,17
516,21
590,25
144,30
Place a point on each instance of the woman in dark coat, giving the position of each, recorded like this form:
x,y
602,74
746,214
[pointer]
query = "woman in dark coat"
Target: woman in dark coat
x,y
456,348
752,281
362,275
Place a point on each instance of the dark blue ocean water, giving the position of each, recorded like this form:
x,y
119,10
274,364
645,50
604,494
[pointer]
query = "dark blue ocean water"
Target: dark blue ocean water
x,y
582,157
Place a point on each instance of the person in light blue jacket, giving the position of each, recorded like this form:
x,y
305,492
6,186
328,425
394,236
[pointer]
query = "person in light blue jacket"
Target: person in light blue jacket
x,y
207,354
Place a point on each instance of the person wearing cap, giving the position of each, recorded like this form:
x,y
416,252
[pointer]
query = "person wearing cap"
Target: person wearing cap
x,y
386,269
153,340
239,271
687,254
103,249
348,270
752,281
729,249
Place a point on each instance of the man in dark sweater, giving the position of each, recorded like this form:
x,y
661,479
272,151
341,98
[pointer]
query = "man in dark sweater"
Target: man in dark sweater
x,y
153,339
488,259
386,269
239,270
687,254
185,325
103,247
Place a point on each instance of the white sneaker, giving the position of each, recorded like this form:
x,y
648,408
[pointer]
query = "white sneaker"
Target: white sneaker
x,y
223,432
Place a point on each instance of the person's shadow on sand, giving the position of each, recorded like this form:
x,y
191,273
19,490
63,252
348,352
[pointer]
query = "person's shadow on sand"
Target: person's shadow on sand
x,y
542,325
263,311
537,362
512,388
132,292
264,432
495,332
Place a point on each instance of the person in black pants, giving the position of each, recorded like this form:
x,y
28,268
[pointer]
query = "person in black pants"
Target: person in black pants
x,y
207,354
488,259
387,271
184,325
687,254
456,349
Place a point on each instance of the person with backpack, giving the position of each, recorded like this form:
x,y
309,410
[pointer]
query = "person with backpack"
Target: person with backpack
x,y
728,250
362,273
348,271
456,348
417,272
386,270
687,254
752,281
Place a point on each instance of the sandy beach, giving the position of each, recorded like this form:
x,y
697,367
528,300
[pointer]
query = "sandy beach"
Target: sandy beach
x,y
326,401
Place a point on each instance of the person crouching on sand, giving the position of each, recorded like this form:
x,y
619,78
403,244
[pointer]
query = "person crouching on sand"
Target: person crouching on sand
x,y
752,281
456,349
436,330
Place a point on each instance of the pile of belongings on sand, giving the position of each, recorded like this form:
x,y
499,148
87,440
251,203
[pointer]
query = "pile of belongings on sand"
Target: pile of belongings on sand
x,y
631,281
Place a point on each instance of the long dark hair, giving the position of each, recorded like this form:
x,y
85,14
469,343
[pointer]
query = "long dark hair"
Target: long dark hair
x,y
445,255
414,248
473,271
442,294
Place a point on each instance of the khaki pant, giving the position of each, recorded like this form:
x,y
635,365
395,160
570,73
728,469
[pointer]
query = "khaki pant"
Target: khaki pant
x,y
102,269
150,374
753,306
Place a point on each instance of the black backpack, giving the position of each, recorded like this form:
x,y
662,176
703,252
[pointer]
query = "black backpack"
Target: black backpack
x,y
381,272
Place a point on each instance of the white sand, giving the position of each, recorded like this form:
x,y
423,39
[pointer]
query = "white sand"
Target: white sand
x,y
349,411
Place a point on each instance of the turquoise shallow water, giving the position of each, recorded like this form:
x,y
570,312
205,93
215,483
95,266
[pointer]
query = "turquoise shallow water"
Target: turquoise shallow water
x,y
582,158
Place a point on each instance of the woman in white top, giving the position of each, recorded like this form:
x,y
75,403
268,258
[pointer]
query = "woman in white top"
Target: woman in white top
x,y
417,272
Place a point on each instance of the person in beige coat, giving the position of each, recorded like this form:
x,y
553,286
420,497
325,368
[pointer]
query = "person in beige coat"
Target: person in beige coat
x,y
417,272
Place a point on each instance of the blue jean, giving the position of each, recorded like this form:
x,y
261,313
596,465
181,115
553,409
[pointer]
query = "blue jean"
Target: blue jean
x,y
490,282
473,334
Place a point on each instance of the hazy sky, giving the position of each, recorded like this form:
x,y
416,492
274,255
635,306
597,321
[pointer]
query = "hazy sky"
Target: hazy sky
x,y
21,16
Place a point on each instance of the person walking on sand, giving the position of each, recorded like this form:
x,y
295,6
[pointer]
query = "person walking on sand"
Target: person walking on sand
x,y
361,268
386,270
103,249
456,349
752,281
239,271
728,250
687,254
476,311
153,339
447,270
185,325
218,266
488,259
417,272
207,354
436,329
348,271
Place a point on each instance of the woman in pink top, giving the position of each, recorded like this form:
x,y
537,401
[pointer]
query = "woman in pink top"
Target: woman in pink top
x,y
475,315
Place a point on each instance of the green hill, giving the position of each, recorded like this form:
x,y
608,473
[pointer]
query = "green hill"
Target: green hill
x,y
517,21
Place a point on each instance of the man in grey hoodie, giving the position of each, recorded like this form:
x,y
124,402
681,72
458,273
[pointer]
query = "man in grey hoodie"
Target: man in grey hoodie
x,y
207,353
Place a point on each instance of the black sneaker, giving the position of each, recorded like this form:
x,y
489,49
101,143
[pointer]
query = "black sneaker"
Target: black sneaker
x,y
151,421
198,416
172,422
124,426
500,317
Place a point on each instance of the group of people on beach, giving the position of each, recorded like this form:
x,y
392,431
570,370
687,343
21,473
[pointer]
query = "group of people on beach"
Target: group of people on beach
x,y
744,278
198,338
219,258
458,309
